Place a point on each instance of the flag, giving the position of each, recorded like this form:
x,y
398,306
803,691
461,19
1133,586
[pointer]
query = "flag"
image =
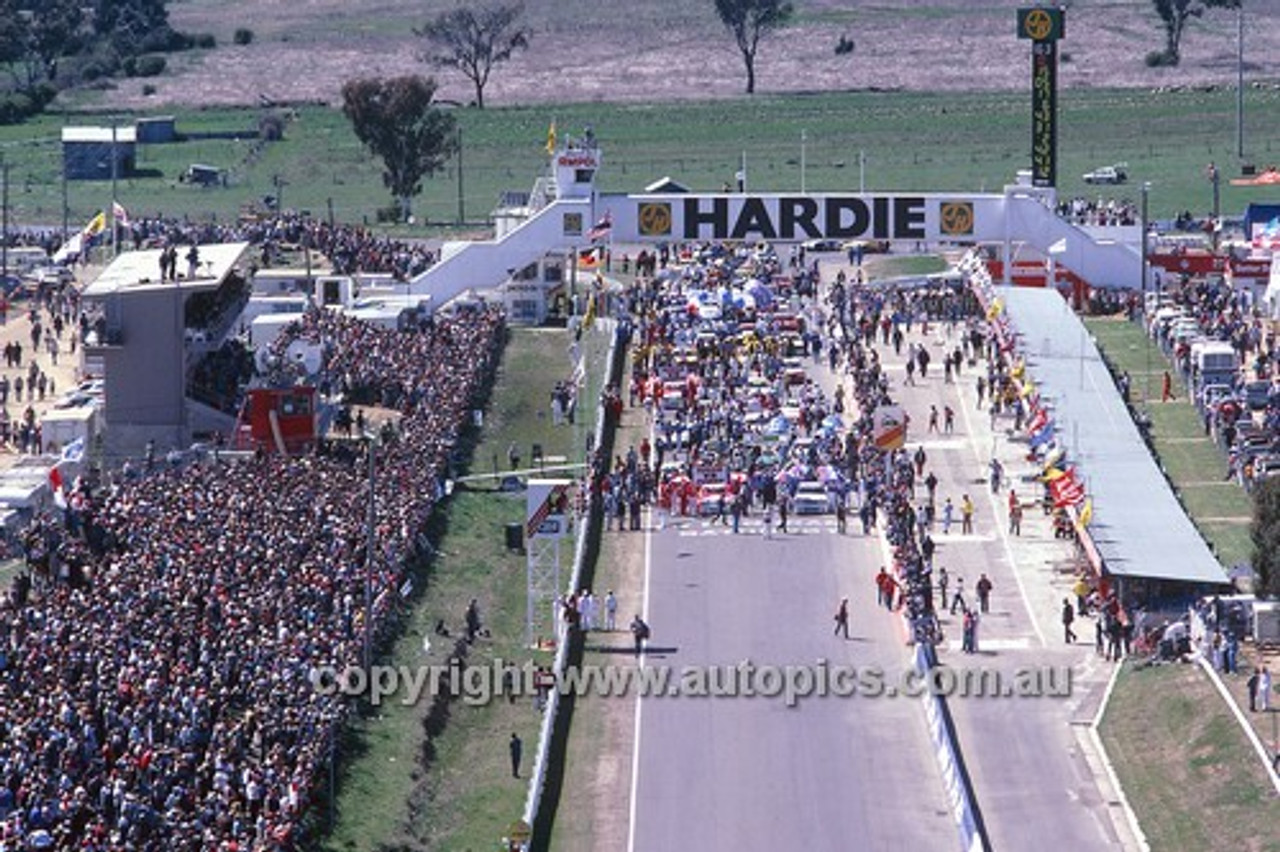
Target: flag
x,y
55,485
96,225
551,137
1070,493
1042,436
121,215
1038,421
74,451
1051,473
1086,514
602,228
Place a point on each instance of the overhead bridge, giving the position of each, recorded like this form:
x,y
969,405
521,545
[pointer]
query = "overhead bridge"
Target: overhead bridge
x,y
567,212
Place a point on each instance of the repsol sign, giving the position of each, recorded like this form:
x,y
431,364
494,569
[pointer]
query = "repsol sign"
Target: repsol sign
x,y
897,217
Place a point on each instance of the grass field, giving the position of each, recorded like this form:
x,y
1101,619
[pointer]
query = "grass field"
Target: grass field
x,y
1207,790
908,141
466,798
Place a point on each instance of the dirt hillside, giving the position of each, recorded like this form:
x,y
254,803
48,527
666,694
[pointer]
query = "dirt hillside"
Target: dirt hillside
x,y
581,50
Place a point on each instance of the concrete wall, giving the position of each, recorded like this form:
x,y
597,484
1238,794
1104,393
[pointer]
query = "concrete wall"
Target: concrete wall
x,y
146,376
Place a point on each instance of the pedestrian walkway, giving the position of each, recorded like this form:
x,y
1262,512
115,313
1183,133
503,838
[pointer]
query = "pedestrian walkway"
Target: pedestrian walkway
x,y
62,370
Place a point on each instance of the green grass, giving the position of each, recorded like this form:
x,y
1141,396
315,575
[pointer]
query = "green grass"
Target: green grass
x,y
1205,790
466,798
922,264
911,141
1192,462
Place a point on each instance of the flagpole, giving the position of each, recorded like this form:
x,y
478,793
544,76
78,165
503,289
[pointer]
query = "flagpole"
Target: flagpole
x,y
115,161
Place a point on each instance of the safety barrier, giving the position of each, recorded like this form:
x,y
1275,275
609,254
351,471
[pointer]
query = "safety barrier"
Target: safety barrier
x,y
946,748
544,779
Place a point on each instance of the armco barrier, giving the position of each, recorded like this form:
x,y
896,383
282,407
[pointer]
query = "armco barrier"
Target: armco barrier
x,y
547,775
946,748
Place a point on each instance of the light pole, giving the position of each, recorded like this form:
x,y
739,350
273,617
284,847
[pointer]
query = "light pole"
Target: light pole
x,y
804,137
1146,394
372,444
4,212
1240,80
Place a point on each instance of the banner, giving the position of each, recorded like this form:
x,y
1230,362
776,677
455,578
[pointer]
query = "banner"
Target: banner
x,y
890,427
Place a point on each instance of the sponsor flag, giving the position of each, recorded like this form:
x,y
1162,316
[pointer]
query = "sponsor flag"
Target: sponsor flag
x,y
121,215
1042,436
602,228
1038,421
74,451
1086,514
551,137
55,485
1051,473
1071,494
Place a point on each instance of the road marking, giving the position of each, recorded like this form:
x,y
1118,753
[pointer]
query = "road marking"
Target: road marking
x,y
994,644
635,742
954,538
1001,528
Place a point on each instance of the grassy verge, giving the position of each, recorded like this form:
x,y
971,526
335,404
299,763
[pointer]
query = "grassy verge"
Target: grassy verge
x,y
398,788
921,264
912,141
1206,791
1221,510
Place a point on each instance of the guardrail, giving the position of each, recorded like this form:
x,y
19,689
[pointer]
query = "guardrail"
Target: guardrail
x,y
540,803
946,748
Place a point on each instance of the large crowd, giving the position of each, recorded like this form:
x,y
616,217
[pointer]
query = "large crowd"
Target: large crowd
x,y
155,664
349,248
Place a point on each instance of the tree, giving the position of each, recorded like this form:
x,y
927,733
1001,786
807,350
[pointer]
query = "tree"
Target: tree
x,y
1175,14
474,40
1265,533
396,120
136,18
748,20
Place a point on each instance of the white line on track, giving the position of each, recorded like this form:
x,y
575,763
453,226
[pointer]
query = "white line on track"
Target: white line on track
x,y
635,750
1001,529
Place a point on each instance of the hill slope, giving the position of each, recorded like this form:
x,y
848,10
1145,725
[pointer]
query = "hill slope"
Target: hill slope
x,y
677,49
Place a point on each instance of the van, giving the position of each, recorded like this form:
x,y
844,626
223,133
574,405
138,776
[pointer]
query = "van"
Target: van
x,y
1214,358
20,260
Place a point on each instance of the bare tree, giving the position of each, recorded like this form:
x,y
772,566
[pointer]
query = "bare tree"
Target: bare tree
x,y
473,40
1174,14
748,20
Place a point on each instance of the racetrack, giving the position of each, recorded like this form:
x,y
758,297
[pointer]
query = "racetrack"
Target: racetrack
x,y
751,773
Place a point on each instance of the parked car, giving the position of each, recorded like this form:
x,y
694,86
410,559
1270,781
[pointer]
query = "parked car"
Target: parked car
x,y
868,246
1257,394
52,276
810,499
1108,174
709,497
821,245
